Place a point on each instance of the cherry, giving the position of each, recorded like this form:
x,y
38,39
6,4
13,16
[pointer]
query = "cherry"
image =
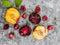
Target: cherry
x,y
44,18
16,26
23,8
34,18
37,9
24,16
11,35
25,31
6,27
50,27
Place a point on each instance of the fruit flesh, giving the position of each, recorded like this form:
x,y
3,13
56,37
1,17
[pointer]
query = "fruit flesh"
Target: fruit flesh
x,y
40,32
12,15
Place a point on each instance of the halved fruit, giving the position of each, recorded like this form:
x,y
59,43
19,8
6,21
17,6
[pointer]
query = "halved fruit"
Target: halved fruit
x,y
12,15
40,32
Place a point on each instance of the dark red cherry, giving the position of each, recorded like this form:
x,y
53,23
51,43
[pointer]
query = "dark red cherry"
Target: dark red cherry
x,y
25,31
6,27
35,18
44,18
11,35
37,9
23,8
24,16
16,26
50,27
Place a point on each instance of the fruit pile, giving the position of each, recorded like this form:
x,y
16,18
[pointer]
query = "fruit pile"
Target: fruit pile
x,y
12,16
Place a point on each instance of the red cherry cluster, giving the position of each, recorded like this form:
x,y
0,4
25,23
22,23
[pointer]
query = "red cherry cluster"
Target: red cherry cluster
x,y
23,9
34,18
24,31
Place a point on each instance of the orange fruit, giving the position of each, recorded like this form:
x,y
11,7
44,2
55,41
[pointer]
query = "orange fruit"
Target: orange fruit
x,y
12,15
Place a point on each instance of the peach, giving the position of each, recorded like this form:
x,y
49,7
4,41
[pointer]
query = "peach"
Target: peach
x,y
40,32
12,15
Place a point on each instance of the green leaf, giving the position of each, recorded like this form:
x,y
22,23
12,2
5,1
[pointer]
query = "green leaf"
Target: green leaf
x,y
18,2
6,3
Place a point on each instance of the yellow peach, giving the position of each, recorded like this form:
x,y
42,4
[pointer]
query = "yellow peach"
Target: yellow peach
x,y
40,32
12,15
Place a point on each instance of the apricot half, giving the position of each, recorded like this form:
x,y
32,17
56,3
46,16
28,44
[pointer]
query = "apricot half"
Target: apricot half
x,y
40,32
12,15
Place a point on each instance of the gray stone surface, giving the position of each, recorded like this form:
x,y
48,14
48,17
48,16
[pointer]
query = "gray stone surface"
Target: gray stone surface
x,y
51,8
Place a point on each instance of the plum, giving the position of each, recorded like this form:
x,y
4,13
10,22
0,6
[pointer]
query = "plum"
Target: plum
x,y
35,18
25,31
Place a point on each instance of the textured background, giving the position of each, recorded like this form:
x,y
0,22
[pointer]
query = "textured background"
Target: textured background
x,y
51,8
